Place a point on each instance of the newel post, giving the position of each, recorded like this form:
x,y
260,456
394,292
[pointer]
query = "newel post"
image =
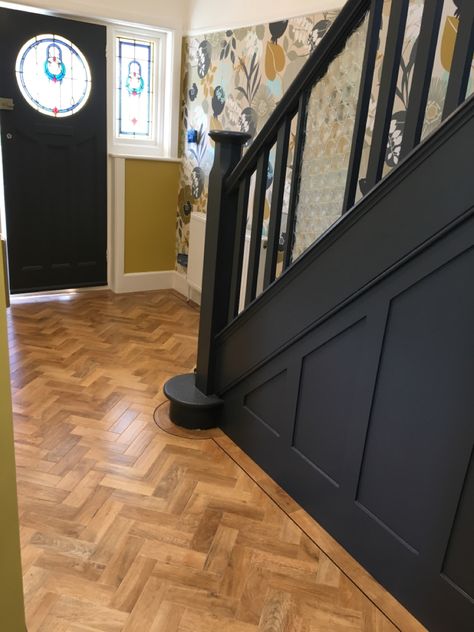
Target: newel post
x,y
217,269
193,403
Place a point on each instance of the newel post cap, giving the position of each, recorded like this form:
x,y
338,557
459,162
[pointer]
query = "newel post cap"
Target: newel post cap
x,y
234,138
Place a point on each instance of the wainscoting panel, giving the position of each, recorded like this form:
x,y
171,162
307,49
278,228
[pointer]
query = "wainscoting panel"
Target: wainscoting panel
x,y
328,390
458,568
264,402
366,420
423,402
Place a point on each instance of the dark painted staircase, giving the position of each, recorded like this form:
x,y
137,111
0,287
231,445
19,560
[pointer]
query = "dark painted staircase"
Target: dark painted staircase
x,y
350,377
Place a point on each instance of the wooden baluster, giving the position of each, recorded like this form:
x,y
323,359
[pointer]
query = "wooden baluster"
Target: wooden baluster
x,y
360,124
422,73
295,177
279,182
462,60
388,85
239,244
257,223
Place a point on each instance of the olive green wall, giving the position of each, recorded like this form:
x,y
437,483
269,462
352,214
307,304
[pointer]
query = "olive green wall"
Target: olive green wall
x,y
11,589
151,192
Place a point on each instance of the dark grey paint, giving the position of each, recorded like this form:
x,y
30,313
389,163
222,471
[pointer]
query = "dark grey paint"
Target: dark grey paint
x,y
431,189
358,366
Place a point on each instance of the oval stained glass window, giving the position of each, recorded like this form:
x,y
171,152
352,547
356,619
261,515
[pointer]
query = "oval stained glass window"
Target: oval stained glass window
x,y
53,75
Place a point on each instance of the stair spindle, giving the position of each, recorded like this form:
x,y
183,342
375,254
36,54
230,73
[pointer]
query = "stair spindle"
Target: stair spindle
x,y
462,60
279,181
257,223
422,73
367,77
295,177
239,244
388,86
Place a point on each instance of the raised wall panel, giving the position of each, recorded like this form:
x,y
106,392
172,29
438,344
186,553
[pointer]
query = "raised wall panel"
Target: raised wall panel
x,y
374,327
266,403
326,401
423,404
458,566
428,193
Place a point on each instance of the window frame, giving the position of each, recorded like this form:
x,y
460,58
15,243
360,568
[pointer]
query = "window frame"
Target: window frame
x,y
156,145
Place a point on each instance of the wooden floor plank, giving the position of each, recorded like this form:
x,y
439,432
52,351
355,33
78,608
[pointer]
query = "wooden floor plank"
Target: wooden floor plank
x,y
134,526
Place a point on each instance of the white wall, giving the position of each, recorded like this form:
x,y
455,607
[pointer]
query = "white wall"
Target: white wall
x,y
209,15
171,14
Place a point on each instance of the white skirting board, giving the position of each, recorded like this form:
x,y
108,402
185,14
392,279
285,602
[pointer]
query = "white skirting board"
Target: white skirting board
x,y
147,281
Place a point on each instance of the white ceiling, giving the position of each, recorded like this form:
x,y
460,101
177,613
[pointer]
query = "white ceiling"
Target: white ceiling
x,y
171,14
208,15
184,15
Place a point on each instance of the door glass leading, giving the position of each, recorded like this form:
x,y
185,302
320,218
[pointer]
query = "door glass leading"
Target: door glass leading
x,y
135,59
53,75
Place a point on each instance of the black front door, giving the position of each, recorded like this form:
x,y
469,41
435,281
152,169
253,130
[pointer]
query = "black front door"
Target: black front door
x,y
54,150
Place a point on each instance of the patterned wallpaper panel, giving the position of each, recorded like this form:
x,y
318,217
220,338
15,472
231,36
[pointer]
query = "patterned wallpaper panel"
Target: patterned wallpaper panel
x,y
329,135
329,128
233,80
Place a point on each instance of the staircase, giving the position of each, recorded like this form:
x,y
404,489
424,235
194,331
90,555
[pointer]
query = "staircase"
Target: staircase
x,y
349,378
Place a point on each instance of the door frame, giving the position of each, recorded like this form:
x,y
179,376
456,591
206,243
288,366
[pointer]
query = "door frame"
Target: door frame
x,y
116,194
3,217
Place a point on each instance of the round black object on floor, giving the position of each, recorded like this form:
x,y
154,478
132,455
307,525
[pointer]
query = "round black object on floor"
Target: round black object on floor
x,y
189,407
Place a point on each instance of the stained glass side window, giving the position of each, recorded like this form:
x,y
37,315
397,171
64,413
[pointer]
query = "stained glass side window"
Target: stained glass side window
x,y
53,75
135,70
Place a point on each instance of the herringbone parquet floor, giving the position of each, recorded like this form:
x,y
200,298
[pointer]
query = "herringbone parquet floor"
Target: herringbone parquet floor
x,y
128,528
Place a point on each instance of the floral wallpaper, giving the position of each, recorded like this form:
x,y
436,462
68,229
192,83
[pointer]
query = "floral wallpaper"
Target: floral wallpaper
x,y
233,80
439,81
329,128
331,118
